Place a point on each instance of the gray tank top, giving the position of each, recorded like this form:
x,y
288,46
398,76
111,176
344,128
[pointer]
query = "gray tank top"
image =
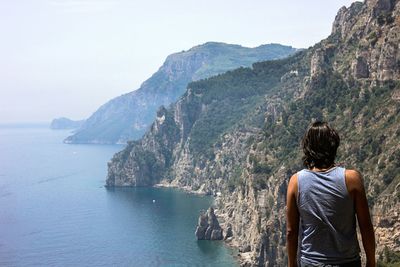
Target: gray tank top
x,y
327,218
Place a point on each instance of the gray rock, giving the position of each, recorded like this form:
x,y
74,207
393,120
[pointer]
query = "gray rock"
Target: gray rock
x,y
208,233
229,232
245,248
383,6
216,234
203,220
360,68
212,219
200,233
208,227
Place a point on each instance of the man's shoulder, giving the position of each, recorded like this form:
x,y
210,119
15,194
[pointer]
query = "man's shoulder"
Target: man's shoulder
x,y
352,174
353,179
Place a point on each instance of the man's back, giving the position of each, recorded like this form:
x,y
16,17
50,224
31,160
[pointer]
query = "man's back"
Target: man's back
x,y
327,218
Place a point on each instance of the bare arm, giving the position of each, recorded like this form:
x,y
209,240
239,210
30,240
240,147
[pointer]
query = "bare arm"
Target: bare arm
x,y
292,221
356,189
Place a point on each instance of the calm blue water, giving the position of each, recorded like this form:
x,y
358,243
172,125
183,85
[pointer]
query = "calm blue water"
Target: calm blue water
x,y
54,210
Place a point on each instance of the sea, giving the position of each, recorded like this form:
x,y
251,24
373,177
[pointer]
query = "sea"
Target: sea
x,y
55,210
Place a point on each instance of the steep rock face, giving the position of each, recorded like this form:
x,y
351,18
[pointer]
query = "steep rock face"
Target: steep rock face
x,y
370,33
208,227
236,136
128,116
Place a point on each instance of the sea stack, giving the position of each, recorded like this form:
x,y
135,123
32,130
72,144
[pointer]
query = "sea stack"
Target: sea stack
x,y
208,227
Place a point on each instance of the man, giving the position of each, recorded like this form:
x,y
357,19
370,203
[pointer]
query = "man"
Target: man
x,y
325,199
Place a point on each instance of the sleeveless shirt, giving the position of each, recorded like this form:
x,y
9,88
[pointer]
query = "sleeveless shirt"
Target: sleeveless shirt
x,y
327,218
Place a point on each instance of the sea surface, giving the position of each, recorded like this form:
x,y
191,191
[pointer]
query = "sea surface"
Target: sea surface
x,y
55,210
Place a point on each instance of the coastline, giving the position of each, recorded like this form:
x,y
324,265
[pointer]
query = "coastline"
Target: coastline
x,y
241,257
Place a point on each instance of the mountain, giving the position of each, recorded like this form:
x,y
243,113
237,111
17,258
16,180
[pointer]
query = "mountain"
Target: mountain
x,y
128,116
65,123
236,135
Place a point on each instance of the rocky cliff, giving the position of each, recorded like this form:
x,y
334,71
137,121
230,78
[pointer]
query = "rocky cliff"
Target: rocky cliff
x,y
208,227
127,117
237,135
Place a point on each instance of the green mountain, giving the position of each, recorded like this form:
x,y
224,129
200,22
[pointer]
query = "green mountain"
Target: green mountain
x,y
128,116
236,135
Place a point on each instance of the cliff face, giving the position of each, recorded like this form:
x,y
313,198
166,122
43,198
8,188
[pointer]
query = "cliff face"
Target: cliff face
x,y
127,117
237,135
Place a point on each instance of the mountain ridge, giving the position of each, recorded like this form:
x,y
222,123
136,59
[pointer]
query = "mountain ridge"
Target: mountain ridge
x,y
128,116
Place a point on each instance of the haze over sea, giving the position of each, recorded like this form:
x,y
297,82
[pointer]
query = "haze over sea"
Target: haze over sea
x,y
55,211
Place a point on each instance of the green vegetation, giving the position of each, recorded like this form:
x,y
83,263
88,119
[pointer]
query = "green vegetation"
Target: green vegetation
x,y
229,99
218,119
389,259
229,57
167,136
259,167
259,182
235,180
126,117
385,18
243,98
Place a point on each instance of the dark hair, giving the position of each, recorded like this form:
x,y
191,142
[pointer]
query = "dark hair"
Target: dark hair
x,y
320,143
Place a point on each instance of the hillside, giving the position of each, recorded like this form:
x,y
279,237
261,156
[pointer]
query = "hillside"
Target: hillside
x,y
236,135
65,123
128,116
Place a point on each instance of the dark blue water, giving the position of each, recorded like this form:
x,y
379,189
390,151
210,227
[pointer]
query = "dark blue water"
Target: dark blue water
x,y
54,210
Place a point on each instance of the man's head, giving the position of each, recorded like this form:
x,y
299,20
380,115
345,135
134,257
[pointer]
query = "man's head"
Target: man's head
x,y
320,143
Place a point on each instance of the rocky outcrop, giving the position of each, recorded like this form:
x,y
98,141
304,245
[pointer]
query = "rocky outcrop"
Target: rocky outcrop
x,y
369,36
386,219
236,136
208,227
360,67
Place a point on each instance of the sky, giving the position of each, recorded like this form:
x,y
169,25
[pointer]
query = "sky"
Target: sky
x,y
68,57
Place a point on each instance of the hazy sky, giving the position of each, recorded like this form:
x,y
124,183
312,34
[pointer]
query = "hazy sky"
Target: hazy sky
x,y
68,57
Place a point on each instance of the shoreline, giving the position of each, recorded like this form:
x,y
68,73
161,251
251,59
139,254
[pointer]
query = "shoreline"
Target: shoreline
x,y
187,189
240,257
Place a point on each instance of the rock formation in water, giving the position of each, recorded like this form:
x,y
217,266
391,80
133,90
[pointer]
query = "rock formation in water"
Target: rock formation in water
x,y
236,135
128,116
208,227
65,123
